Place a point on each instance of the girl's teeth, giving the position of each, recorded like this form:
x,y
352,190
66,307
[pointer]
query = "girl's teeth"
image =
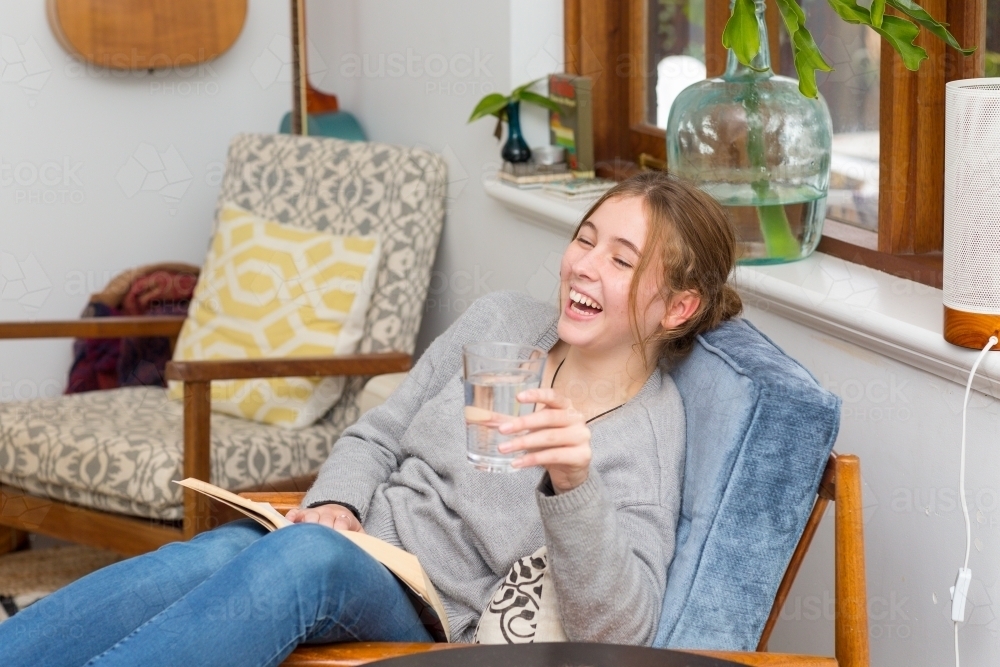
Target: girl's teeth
x,y
580,298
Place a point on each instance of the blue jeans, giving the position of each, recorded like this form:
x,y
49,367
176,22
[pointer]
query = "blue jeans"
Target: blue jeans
x,y
236,595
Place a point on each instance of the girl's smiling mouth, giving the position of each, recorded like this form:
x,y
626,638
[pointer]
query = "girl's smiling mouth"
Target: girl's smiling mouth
x,y
582,304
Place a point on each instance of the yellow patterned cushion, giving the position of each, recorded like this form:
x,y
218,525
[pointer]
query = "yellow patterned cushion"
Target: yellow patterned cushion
x,y
269,290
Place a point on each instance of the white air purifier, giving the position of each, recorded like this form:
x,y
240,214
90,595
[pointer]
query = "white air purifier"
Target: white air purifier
x,y
972,212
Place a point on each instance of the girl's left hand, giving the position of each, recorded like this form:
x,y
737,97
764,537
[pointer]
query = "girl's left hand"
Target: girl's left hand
x,y
558,439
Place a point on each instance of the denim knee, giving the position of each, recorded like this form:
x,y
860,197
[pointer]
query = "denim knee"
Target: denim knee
x,y
312,551
214,548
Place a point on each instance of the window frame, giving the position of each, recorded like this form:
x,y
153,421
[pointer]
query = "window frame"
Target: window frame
x,y
607,40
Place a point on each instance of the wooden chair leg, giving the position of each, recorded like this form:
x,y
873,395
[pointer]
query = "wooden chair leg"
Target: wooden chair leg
x,y
197,455
12,539
851,593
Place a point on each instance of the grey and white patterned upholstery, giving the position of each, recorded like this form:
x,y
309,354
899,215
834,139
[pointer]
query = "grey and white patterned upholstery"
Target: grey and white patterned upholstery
x,y
118,450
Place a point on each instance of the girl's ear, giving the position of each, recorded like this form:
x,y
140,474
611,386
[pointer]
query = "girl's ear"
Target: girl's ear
x,y
681,307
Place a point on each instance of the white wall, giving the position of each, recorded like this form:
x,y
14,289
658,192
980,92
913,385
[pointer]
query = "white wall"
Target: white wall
x,y
905,424
75,206
412,73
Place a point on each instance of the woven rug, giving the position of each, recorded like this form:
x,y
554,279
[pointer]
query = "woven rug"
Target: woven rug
x,y
28,576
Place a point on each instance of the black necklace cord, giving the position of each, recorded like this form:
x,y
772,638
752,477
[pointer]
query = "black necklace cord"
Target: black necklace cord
x,y
553,384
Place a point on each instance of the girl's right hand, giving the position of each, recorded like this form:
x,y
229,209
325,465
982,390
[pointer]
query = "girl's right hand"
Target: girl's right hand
x,y
333,516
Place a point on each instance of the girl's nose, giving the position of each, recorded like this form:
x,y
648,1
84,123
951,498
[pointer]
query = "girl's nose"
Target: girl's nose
x,y
584,266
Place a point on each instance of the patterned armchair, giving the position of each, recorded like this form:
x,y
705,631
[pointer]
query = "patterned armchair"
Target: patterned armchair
x,y
96,468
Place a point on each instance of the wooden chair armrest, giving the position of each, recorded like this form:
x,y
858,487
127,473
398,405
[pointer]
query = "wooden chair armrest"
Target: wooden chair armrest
x,y
244,369
757,659
360,653
351,654
96,327
197,377
280,500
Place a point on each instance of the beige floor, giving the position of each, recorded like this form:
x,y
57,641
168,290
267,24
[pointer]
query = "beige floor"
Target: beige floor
x,y
28,575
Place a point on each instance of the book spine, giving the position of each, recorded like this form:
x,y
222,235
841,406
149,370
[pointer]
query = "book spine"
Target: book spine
x,y
562,124
553,116
540,178
584,124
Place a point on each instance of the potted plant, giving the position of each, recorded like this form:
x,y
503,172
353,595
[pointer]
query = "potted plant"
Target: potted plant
x,y
760,143
508,108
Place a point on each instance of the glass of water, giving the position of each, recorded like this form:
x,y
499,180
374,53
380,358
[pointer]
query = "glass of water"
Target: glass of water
x,y
494,375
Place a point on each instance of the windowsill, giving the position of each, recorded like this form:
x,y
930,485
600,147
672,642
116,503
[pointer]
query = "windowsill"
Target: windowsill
x,y
538,207
857,236
894,317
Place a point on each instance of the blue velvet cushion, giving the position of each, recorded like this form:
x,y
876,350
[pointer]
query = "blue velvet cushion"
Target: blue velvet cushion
x,y
759,432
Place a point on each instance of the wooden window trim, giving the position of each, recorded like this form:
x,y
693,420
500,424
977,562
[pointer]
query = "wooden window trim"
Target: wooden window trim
x,y
606,40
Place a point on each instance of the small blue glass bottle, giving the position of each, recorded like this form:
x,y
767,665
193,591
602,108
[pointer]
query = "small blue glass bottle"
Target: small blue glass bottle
x,y
516,149
762,149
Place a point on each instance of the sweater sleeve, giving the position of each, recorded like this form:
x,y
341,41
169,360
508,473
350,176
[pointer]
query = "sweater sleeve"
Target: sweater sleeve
x,y
368,451
609,564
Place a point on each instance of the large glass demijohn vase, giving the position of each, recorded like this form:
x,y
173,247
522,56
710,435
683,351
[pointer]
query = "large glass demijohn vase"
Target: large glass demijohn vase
x,y
762,149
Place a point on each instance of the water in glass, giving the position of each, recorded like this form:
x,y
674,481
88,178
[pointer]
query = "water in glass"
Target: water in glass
x,y
492,384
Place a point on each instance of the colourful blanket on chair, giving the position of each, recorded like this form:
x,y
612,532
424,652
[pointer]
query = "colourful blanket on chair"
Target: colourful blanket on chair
x,y
107,363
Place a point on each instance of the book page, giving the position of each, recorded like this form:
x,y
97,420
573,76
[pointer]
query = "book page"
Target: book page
x,y
262,513
401,563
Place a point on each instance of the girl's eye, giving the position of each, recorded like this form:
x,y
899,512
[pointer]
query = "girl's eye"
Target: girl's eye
x,y
584,241
622,263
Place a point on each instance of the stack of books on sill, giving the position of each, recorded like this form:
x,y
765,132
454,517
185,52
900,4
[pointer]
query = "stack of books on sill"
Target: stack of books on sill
x,y
579,188
531,175
554,179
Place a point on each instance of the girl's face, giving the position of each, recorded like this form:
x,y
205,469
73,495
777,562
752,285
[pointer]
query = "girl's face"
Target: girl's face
x,y
595,277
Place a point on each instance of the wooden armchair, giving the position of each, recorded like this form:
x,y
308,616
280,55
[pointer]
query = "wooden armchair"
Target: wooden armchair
x,y
96,467
21,512
841,483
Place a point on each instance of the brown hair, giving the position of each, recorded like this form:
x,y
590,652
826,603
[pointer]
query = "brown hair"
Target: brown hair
x,y
689,237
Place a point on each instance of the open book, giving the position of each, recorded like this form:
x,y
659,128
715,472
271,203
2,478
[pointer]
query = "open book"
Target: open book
x,y
402,564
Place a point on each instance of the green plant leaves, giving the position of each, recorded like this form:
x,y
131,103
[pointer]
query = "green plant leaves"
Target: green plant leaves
x,y
516,93
807,55
901,35
495,104
851,11
741,34
898,31
743,37
540,100
877,11
901,32
491,105
939,30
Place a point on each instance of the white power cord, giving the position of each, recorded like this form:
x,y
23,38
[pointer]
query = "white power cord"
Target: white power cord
x,y
960,591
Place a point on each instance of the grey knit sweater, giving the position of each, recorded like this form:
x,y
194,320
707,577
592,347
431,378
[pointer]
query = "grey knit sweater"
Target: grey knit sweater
x,y
610,540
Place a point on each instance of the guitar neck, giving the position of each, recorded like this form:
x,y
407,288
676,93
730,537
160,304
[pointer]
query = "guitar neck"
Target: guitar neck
x,y
299,68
